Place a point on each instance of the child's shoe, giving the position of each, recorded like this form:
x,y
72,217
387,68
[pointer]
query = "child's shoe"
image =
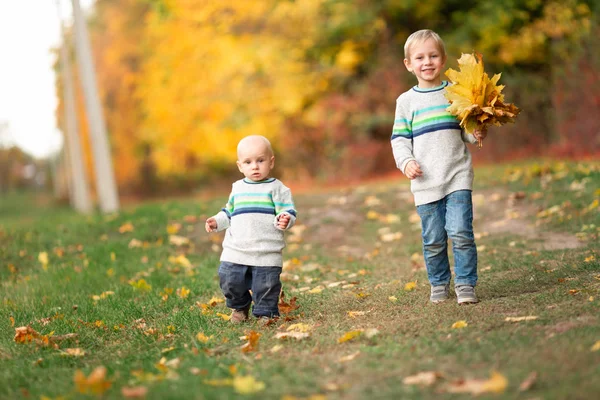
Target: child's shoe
x,y
439,293
238,316
465,294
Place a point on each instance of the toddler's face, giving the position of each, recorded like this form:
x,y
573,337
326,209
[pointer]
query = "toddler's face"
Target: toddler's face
x,y
255,161
426,62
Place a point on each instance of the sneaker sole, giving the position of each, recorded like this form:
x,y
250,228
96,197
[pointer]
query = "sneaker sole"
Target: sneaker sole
x,y
438,301
468,301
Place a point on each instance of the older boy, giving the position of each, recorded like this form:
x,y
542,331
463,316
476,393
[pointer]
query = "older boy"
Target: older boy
x,y
429,148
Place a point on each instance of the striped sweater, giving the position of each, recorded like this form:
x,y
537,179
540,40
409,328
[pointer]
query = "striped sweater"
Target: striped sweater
x,y
425,132
250,217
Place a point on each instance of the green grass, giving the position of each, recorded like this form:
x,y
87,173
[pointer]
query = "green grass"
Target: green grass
x,y
130,331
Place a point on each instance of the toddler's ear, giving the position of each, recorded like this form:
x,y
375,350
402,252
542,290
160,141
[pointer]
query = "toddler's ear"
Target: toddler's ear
x,y
407,65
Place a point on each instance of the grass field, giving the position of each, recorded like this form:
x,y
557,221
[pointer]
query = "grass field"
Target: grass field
x,y
128,305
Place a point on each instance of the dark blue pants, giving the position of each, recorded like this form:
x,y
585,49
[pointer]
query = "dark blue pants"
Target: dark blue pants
x,y
238,280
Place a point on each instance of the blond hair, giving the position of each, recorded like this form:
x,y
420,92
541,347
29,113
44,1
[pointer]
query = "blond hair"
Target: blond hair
x,y
420,37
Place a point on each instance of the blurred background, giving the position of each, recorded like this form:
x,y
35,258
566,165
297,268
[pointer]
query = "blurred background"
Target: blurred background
x,y
181,81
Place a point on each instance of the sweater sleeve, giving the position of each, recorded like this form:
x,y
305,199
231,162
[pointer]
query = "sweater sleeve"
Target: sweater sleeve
x,y
284,204
224,216
467,137
402,146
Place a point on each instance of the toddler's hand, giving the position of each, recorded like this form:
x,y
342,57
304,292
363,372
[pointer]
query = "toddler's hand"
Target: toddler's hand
x,y
210,225
413,170
283,221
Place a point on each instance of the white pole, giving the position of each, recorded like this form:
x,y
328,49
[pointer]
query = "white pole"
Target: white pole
x,y
105,180
77,184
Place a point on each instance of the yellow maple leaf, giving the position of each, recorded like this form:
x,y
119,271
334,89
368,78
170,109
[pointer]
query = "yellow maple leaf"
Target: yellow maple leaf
x,y
181,260
299,327
173,228
126,227
224,316
183,292
202,338
459,324
247,385
596,346
410,286
496,384
95,383
141,285
349,336
43,259
474,98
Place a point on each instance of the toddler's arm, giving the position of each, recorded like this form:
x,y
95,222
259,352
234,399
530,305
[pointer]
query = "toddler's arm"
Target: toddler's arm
x,y
220,221
217,223
285,213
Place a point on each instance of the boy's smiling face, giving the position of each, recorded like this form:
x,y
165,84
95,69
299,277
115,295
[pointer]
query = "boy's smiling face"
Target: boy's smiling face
x,y
426,61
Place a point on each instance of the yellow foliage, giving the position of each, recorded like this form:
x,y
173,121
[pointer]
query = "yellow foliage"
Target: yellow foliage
x,y
474,98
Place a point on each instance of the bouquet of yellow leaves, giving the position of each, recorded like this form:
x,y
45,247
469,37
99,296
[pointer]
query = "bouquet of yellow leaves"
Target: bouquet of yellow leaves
x,y
475,99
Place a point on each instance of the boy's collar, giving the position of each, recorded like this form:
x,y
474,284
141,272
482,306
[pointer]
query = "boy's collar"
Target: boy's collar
x,y
416,88
267,180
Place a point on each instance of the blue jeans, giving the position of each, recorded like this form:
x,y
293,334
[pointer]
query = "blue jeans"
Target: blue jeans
x,y
450,217
237,280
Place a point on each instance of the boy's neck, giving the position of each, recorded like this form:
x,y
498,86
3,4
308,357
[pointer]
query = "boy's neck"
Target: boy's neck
x,y
430,85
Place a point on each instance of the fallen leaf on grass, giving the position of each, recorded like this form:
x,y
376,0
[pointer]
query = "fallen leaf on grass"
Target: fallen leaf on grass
x,y
286,308
349,336
519,319
528,382
126,227
390,237
292,335
202,338
215,300
596,346
95,383
299,328
410,286
426,378
247,385
460,324
354,314
393,299
181,260
226,317
102,295
183,292
26,334
74,352
276,348
141,285
178,240
349,357
134,392
496,384
219,382
43,259
135,243
252,341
